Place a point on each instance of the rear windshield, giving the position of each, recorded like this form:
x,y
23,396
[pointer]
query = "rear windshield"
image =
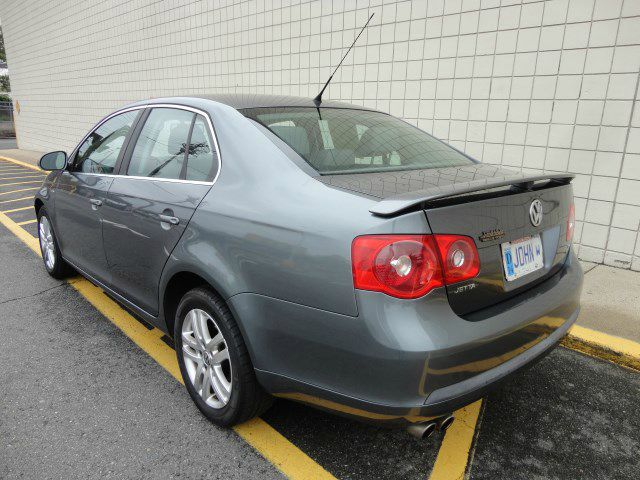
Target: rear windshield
x,y
336,140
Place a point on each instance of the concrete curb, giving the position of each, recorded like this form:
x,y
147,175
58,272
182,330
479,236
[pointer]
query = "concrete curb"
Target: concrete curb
x,y
601,345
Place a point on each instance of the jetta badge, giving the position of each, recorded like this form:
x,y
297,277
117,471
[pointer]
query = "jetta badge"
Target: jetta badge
x,y
535,212
491,235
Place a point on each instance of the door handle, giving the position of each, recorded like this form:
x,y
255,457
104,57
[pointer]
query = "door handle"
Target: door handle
x,y
169,219
95,203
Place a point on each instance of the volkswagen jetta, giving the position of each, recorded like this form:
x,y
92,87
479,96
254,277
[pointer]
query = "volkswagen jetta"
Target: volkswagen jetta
x,y
330,254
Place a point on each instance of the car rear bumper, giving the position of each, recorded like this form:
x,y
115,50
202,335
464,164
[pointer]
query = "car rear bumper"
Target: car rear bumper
x,y
402,361
456,395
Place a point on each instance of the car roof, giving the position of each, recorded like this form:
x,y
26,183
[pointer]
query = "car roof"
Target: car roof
x,y
241,101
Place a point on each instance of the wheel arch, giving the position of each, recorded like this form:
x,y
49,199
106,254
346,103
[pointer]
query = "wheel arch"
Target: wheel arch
x,y
176,285
178,282
38,204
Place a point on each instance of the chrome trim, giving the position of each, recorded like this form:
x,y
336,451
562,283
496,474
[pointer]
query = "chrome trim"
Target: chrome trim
x,y
158,105
152,179
104,119
422,431
536,211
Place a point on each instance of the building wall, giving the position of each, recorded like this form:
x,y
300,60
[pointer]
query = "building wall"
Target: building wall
x,y
542,85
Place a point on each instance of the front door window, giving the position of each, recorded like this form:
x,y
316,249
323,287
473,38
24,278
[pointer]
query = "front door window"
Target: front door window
x,y
99,152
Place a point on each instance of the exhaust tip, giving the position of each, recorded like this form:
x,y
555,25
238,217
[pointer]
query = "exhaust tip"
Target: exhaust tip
x,y
445,423
422,431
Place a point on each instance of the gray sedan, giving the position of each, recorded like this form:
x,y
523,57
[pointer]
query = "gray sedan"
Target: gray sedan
x,y
329,254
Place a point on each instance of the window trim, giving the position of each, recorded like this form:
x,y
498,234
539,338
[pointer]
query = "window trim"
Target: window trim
x,y
124,161
187,154
123,149
183,169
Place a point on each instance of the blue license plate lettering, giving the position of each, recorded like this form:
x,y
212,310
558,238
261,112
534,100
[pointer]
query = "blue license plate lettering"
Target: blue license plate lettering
x,y
522,257
509,260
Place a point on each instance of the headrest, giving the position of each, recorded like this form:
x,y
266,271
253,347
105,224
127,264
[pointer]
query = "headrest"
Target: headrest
x,y
295,137
375,142
178,138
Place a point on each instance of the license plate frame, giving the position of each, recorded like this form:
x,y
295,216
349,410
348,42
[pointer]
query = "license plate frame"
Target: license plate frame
x,y
522,257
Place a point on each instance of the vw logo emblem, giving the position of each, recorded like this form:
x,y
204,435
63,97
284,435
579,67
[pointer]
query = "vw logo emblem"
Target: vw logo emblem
x,y
535,212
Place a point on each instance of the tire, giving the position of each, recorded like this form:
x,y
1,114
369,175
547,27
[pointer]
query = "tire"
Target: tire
x,y
51,256
245,398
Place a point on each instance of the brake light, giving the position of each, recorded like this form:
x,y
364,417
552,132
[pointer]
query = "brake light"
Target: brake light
x,y
571,222
460,260
410,266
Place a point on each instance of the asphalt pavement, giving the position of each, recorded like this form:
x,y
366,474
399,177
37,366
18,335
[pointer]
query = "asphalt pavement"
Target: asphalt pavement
x,y
81,400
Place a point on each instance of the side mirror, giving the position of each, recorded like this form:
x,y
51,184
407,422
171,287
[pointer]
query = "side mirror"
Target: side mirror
x,y
53,161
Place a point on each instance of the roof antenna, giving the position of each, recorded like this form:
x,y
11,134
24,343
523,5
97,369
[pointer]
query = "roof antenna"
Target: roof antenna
x,y
318,99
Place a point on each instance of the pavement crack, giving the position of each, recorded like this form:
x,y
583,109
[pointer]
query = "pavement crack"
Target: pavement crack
x,y
33,294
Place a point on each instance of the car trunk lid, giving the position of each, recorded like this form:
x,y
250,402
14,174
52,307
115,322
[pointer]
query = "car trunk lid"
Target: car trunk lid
x,y
492,222
488,204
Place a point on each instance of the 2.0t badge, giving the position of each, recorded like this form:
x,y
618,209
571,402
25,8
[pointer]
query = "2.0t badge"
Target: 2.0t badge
x,y
535,212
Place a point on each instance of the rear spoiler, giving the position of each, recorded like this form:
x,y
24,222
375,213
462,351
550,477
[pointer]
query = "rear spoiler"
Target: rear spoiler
x,y
399,203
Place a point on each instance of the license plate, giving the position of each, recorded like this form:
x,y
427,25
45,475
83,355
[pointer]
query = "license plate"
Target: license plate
x,y
522,257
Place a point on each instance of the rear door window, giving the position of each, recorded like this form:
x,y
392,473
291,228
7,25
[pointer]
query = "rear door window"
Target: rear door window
x,y
202,159
161,147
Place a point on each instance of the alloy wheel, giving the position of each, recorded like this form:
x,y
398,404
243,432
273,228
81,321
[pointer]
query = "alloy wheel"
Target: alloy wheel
x,y
46,243
206,358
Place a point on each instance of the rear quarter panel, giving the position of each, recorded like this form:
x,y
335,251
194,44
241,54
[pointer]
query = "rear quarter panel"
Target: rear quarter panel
x,y
268,228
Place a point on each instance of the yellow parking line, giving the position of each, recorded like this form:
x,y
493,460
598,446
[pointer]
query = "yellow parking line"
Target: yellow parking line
x,y
17,173
16,199
17,209
19,183
27,222
23,164
19,190
454,454
22,171
267,441
21,233
602,345
22,177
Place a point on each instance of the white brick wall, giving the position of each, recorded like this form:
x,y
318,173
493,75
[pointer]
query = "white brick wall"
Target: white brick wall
x,y
540,85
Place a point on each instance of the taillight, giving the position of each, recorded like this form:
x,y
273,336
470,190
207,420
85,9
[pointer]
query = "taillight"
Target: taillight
x,y
460,260
571,222
409,266
404,266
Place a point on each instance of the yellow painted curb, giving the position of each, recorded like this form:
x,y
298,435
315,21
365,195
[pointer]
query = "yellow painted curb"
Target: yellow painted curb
x,y
602,345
